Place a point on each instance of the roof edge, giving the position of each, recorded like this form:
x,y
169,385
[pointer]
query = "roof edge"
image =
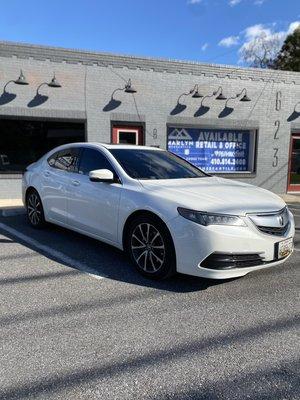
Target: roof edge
x,y
60,54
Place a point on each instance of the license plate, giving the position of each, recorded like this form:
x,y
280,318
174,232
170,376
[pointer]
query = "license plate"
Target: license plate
x,y
284,248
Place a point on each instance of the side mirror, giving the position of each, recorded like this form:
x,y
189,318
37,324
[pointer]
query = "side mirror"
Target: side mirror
x,y
101,175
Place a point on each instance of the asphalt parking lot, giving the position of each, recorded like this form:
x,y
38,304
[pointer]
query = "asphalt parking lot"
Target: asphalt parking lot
x,y
77,322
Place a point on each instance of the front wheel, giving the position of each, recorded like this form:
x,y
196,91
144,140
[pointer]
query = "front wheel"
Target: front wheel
x,y
34,208
151,248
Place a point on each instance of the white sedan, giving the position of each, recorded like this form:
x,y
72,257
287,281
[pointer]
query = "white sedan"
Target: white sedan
x,y
167,214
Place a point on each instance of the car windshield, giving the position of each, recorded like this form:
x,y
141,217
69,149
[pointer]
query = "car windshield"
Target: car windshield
x,y
155,164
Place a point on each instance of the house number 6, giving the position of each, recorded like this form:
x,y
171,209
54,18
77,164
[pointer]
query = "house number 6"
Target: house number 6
x,y
278,101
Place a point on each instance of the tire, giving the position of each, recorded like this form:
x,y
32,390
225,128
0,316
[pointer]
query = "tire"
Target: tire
x,y
151,248
35,210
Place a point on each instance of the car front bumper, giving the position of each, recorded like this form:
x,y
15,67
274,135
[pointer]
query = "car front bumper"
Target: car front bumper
x,y
194,243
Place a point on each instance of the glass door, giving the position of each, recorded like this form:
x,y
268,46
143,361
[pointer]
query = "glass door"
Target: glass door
x,y
294,165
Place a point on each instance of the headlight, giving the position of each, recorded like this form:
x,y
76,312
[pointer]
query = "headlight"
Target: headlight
x,y
204,218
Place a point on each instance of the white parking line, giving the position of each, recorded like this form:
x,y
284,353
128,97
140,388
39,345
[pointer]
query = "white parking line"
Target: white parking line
x,y
51,252
296,249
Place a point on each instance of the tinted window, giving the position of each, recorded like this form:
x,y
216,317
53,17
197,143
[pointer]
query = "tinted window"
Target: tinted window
x,y
52,158
91,160
153,164
66,160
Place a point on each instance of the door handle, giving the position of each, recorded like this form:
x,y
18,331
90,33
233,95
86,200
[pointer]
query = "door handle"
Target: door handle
x,y
75,183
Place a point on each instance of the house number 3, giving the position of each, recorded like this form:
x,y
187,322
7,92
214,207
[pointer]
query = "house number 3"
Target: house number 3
x,y
275,157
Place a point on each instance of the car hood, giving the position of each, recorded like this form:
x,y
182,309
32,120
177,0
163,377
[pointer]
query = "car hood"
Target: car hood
x,y
215,194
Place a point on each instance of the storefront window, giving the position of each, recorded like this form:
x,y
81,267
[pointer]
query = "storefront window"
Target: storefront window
x,y
214,150
24,141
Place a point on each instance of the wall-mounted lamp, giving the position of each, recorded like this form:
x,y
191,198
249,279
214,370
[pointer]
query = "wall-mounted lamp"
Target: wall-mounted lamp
x,y
129,88
113,103
194,92
53,84
217,94
40,98
7,97
220,95
243,99
20,81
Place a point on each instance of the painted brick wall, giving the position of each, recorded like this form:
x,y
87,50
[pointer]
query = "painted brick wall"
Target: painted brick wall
x,y
88,80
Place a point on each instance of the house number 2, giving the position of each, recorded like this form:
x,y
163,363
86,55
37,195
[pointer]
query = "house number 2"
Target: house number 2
x,y
276,137
277,125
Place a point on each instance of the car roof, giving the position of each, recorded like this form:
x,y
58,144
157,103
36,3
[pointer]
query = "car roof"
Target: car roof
x,y
110,146
124,146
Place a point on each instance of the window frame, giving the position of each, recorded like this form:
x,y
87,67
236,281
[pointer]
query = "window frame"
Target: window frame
x,y
56,154
117,178
204,173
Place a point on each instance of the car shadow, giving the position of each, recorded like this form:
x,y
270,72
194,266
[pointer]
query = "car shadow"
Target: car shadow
x,y
95,256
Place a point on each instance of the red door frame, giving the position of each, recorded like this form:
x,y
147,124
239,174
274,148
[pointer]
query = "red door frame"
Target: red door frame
x,y
134,128
292,188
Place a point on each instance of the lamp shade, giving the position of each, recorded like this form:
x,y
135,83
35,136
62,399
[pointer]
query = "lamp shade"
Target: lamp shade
x,y
21,80
221,97
129,88
54,83
245,98
197,95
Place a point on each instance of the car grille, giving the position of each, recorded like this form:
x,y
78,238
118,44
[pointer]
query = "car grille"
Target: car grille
x,y
270,230
230,260
273,223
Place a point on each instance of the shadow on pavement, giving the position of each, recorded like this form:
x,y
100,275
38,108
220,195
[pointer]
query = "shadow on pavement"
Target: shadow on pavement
x,y
280,381
98,257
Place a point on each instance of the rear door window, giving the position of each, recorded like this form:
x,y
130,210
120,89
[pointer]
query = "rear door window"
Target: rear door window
x,y
66,160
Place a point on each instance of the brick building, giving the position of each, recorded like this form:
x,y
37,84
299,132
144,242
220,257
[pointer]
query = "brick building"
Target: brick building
x,y
199,111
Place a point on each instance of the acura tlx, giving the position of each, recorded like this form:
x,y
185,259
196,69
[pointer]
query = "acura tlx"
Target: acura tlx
x,y
167,214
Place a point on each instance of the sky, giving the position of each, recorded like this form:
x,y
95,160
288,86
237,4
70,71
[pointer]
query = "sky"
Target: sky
x,y
212,31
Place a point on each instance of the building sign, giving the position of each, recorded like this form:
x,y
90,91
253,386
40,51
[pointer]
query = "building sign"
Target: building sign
x,y
213,150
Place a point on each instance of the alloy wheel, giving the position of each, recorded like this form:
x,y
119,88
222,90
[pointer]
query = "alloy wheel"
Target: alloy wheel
x,y
34,209
148,247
